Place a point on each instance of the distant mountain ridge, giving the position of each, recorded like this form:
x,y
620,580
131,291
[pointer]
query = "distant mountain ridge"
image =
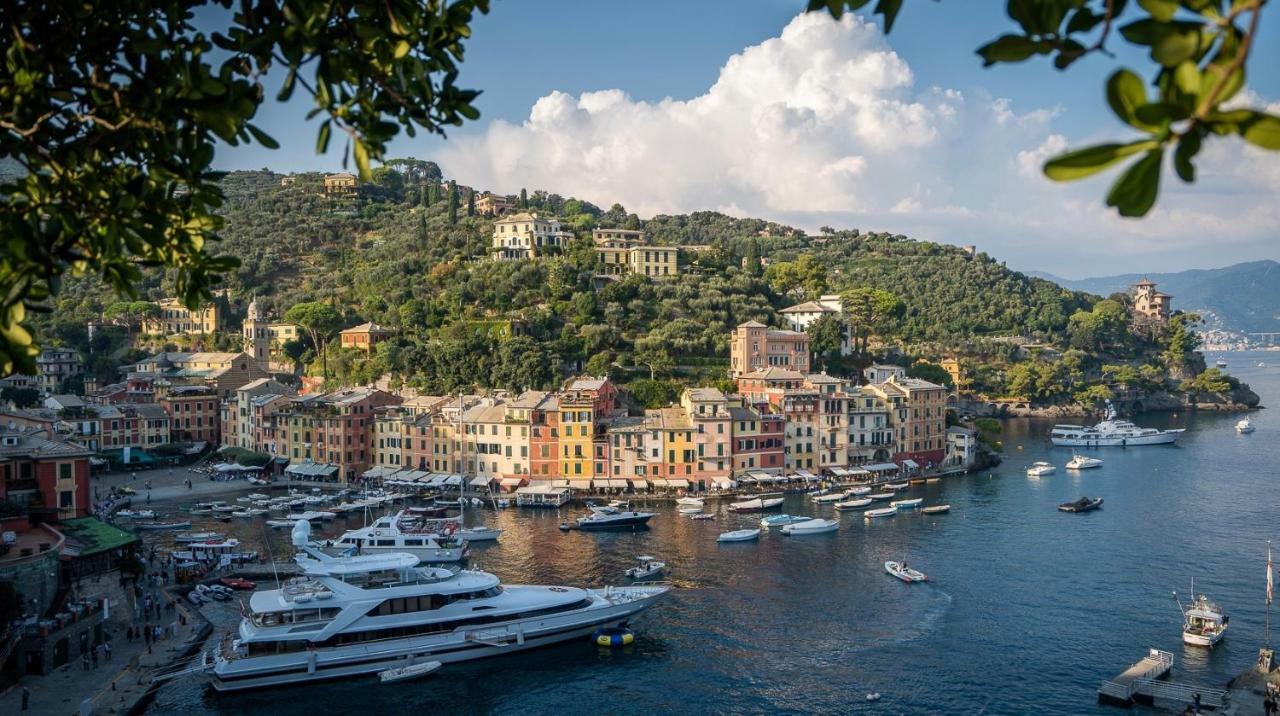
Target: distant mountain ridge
x,y
1243,297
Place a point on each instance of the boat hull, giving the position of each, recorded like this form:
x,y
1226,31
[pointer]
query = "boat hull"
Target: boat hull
x,y
461,645
625,523
1193,639
1165,438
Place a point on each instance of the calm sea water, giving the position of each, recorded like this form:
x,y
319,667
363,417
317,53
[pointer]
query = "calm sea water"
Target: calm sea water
x,y
1027,611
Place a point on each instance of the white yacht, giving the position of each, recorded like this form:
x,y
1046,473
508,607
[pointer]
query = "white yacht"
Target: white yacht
x,y
427,540
1040,468
1203,623
1083,462
1245,426
611,517
362,615
1111,433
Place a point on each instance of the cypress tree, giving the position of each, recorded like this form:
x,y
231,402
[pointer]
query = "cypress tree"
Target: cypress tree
x,y
453,202
524,199
471,203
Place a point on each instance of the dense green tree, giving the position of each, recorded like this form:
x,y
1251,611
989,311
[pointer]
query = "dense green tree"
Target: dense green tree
x,y
870,311
931,372
805,277
751,262
524,199
656,360
826,335
651,393
471,203
321,321
453,202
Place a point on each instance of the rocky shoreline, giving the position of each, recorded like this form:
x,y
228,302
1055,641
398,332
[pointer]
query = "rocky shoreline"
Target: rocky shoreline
x,y
1240,401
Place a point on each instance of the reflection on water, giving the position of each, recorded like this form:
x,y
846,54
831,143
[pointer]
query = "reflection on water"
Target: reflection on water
x,y
1027,610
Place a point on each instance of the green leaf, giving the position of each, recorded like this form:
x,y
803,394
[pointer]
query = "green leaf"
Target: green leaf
x,y
1126,93
1083,20
1091,160
1188,147
1161,10
888,9
286,89
322,139
1142,32
1176,42
263,138
361,154
1186,77
1263,130
1008,48
1135,192
1160,114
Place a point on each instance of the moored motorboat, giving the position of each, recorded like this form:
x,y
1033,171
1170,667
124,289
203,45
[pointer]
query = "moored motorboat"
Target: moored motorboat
x,y
648,567
690,502
1083,462
1203,622
905,573
197,537
702,516
739,535
1084,504
756,504
896,486
860,490
907,504
853,504
479,533
1245,426
612,518
881,496
936,509
782,520
810,527
689,510
882,512
1040,468
162,525
404,673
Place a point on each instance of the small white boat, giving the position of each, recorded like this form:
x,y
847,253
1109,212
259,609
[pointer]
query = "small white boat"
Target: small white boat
x,y
905,573
137,514
702,516
1040,468
1203,624
853,504
858,491
690,502
895,486
882,512
1082,462
689,510
882,496
810,527
1221,362
1245,426
907,504
199,537
480,534
404,673
781,520
936,509
647,568
756,504
739,536
827,498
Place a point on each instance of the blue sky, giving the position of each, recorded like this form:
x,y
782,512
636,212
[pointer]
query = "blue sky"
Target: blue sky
x,y
963,183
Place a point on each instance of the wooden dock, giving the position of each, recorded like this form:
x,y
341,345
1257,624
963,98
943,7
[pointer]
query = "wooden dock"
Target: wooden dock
x,y
1145,682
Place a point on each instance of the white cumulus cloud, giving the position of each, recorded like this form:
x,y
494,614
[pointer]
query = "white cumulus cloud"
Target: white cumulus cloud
x,y
824,125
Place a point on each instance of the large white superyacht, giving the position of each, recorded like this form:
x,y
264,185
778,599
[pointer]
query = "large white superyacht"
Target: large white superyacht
x,y
363,614
1111,433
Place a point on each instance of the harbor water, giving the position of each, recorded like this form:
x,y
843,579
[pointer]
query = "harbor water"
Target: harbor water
x,y
1027,609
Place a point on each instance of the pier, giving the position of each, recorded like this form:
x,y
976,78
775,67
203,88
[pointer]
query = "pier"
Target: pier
x,y
1145,682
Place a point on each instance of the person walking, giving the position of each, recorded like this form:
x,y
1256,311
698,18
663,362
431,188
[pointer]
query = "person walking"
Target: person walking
x,y
106,650
26,698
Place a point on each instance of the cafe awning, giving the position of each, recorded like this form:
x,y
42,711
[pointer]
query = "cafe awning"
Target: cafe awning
x,y
584,485
511,481
911,464
678,483
479,482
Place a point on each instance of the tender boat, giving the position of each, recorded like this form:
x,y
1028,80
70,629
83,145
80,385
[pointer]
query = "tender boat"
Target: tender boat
x,y
648,567
1221,363
404,673
1111,433
1084,504
907,504
702,516
162,525
137,514
1038,469
198,537
347,616
688,510
690,502
881,496
896,486
882,512
936,509
853,504
831,497
612,518
1203,623
479,534
858,491
1083,462
782,520
810,527
756,504
739,536
432,541
237,583
1245,426
905,573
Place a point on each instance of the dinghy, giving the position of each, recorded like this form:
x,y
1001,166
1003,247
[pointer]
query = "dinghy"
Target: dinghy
x,y
853,504
739,536
882,512
811,527
404,673
905,573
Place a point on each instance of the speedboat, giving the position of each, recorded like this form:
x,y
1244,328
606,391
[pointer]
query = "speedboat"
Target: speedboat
x,y
1038,469
647,568
829,497
810,527
907,504
1221,363
782,520
428,540
881,496
1111,432
853,504
936,509
1203,623
347,616
756,504
404,673
895,486
1084,504
690,502
858,491
479,534
905,573
198,537
739,536
237,583
882,512
611,518
1083,462
1245,426
687,510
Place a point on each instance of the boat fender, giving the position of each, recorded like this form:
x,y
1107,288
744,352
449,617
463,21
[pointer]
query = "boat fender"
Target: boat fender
x,y
620,636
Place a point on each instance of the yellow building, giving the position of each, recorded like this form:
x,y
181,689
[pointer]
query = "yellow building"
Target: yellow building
x,y
489,204
676,446
340,183
176,318
577,433
625,251
526,235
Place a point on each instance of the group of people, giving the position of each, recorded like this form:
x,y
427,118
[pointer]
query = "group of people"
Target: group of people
x,y
90,658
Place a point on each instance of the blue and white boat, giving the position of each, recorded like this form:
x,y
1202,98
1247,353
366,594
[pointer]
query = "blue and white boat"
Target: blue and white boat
x,y
782,520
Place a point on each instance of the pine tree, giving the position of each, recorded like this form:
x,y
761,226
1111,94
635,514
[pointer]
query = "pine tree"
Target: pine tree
x,y
453,202
524,199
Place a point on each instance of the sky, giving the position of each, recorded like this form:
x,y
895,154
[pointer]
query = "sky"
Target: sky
x,y
751,108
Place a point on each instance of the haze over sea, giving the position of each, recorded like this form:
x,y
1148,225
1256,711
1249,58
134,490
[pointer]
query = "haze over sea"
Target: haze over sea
x,y
1027,611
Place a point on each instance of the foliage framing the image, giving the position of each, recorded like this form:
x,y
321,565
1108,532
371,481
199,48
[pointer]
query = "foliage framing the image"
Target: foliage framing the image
x,y
1200,50
114,109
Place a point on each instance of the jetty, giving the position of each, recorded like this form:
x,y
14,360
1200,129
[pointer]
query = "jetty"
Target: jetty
x,y
1145,682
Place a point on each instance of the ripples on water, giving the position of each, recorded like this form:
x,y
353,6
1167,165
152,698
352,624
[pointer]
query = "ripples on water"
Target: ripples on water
x,y
1027,611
